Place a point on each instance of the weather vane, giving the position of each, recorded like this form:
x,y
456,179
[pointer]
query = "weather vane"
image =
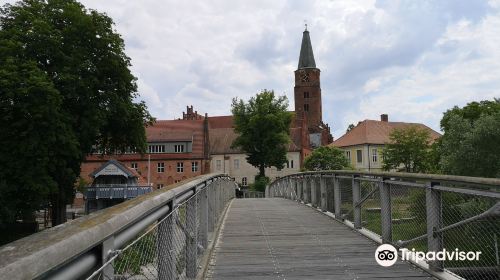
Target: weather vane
x,y
305,23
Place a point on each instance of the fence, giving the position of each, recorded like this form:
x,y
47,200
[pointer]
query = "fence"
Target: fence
x,y
251,194
427,213
161,235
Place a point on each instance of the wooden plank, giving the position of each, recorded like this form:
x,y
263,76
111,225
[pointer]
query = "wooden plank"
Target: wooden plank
x,y
276,238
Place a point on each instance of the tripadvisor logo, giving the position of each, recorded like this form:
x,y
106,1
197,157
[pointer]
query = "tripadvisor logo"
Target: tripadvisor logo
x,y
386,255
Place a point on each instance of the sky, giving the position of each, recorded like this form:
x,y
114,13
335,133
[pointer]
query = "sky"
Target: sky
x,y
412,60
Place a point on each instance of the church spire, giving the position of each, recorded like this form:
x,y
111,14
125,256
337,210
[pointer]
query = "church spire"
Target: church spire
x,y
306,59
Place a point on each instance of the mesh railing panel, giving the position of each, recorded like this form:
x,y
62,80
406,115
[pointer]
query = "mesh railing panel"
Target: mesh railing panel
x,y
173,247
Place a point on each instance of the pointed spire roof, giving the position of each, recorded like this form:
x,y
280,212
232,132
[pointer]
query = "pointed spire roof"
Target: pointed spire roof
x,y
306,59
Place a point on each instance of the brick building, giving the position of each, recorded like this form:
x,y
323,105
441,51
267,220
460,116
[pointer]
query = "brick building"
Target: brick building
x,y
196,144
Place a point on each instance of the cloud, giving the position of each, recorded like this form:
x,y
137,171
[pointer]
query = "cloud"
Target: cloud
x,y
410,59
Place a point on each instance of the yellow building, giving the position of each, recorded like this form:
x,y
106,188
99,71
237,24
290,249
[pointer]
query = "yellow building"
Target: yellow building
x,y
363,145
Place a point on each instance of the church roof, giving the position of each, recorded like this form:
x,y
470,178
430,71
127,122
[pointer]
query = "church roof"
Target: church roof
x,y
306,59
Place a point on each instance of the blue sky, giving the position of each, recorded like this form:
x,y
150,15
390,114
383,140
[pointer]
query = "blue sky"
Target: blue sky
x,y
410,59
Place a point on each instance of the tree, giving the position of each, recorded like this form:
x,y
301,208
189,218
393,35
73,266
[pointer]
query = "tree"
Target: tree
x,y
409,147
469,145
350,127
263,125
65,88
326,158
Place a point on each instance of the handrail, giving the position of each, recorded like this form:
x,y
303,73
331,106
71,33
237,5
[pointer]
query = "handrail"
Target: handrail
x,y
79,245
379,204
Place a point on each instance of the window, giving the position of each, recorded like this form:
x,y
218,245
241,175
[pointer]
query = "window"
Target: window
x,y
218,164
159,186
348,155
180,167
291,163
236,164
179,148
133,165
359,155
288,164
161,167
306,107
194,166
306,94
244,181
177,181
156,149
374,155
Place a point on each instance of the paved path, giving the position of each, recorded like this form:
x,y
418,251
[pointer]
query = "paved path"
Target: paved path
x,y
276,238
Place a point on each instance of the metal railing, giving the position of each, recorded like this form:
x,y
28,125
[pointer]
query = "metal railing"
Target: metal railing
x,y
428,213
111,191
165,234
251,194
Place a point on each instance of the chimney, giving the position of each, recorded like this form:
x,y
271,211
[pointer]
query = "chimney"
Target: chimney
x,y
384,118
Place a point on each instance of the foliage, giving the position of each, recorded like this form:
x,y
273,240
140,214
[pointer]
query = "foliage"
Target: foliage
x,y
350,127
64,87
260,183
326,158
408,147
263,125
470,143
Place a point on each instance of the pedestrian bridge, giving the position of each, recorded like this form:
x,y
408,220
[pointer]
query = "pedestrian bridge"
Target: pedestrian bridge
x,y
314,225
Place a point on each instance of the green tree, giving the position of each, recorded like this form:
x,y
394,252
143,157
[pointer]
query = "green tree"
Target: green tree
x,y
409,147
470,142
326,158
65,87
263,125
350,127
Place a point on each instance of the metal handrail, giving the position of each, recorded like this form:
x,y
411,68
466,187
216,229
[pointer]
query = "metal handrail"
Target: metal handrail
x,y
311,188
75,248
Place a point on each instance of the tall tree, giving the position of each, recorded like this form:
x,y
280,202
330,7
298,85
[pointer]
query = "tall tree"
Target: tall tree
x,y
470,142
408,147
326,158
263,125
73,62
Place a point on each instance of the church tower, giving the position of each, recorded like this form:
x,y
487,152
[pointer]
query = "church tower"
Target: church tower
x,y
307,94
307,85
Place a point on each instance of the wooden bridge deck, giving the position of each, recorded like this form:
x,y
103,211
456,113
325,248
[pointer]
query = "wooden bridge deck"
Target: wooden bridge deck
x,y
276,238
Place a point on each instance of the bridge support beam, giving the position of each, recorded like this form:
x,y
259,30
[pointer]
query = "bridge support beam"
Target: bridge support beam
x,y
434,223
385,211
356,197
337,199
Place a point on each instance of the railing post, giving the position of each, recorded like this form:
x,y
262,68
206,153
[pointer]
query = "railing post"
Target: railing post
x,y
191,237
434,222
304,189
204,217
385,211
300,184
211,205
337,199
107,246
314,198
165,246
323,193
356,197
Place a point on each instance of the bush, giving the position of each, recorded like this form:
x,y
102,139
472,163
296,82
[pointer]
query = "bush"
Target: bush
x,y
260,183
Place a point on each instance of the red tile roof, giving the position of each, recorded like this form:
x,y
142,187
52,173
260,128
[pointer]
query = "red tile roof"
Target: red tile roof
x,y
220,122
376,132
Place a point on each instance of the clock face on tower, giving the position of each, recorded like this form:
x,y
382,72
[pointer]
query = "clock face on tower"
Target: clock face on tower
x,y
304,76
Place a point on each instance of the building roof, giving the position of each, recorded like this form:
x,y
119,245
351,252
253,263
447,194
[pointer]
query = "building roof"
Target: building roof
x,y
173,130
221,138
306,59
221,122
128,172
376,132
